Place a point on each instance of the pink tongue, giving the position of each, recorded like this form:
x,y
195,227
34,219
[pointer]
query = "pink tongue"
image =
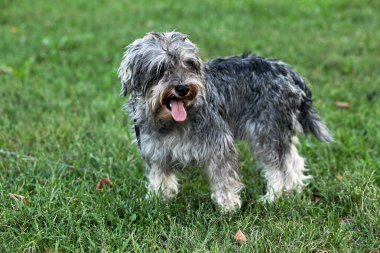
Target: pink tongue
x,y
178,111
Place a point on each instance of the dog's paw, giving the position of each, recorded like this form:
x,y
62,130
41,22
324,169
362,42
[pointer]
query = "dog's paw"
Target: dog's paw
x,y
227,202
268,198
165,194
169,193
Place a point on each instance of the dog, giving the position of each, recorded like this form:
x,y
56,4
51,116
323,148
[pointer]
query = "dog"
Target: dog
x,y
190,114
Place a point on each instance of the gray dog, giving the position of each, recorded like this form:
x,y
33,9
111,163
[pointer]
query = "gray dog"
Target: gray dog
x,y
189,113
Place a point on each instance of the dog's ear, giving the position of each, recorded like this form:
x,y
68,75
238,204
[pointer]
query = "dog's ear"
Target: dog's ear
x,y
129,68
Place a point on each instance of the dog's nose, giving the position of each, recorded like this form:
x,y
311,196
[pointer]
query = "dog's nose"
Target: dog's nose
x,y
182,89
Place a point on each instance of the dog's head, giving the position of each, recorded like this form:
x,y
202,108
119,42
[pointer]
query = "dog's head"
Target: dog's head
x,y
165,70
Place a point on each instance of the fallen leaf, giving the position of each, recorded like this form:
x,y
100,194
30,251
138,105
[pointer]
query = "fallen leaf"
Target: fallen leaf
x,y
18,198
240,237
103,182
14,29
316,197
339,177
341,104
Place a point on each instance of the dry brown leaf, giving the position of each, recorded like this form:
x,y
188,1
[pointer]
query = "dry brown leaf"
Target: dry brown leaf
x,y
102,183
339,177
18,198
240,237
341,104
14,29
316,197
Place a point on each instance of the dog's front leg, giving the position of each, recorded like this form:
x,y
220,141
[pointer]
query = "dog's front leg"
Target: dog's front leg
x,y
224,179
161,181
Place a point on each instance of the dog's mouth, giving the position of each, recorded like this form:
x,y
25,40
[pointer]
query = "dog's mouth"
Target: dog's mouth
x,y
177,105
177,109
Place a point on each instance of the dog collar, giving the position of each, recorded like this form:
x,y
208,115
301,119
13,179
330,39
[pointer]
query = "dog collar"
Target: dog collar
x,y
137,132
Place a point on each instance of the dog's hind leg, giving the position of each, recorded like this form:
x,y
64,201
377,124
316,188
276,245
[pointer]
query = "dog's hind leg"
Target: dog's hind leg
x,y
161,182
282,166
284,175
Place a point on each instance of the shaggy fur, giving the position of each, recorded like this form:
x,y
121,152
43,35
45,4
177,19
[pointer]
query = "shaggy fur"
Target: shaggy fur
x,y
191,113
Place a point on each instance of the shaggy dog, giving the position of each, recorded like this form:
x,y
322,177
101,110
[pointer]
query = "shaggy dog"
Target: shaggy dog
x,y
188,113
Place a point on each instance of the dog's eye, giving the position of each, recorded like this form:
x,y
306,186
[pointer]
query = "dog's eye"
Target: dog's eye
x,y
191,65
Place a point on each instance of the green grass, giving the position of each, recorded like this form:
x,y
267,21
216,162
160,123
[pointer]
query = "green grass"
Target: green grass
x,y
59,104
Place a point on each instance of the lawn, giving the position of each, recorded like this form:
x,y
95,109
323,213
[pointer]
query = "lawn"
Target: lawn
x,y
62,128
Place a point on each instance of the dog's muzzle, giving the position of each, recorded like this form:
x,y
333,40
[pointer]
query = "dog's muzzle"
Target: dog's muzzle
x,y
177,99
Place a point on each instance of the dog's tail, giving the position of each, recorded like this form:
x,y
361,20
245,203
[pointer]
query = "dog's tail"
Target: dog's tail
x,y
308,117
312,123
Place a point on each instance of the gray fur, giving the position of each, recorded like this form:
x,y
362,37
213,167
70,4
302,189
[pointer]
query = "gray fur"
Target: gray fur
x,y
249,98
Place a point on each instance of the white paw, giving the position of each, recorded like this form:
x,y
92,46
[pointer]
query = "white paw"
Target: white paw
x,y
268,198
228,202
165,193
169,193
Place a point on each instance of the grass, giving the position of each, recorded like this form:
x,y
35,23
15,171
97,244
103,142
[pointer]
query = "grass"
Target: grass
x,y
62,128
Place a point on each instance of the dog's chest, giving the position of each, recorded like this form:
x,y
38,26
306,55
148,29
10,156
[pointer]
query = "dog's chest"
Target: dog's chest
x,y
172,149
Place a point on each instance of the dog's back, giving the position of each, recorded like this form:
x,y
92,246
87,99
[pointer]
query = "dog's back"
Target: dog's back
x,y
243,87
